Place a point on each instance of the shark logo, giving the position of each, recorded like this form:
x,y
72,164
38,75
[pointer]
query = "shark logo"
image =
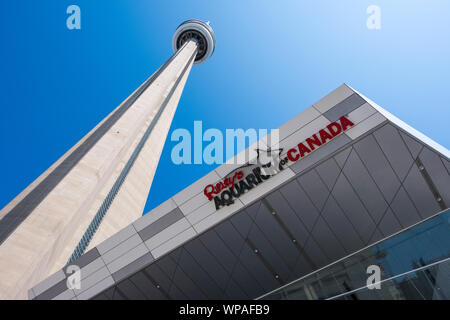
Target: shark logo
x,y
270,161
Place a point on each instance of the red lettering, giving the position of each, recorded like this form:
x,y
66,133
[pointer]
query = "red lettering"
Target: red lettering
x,y
324,136
336,126
208,191
345,123
312,142
293,154
221,185
291,157
303,149
236,175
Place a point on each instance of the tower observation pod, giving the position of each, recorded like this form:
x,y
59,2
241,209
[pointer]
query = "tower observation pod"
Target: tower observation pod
x,y
198,32
100,186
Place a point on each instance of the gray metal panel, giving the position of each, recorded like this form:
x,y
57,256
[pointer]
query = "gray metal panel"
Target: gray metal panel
x,y
252,210
129,289
175,293
92,279
242,222
87,258
344,107
276,235
101,297
247,281
167,264
280,267
208,262
413,145
320,153
316,254
258,269
199,276
122,249
379,168
230,236
302,267
133,267
233,290
377,235
394,149
162,279
187,286
300,203
342,156
219,250
53,291
288,217
353,208
109,293
92,267
95,289
404,209
146,286
364,186
161,224
389,224
341,226
165,281
158,278
328,172
328,241
48,283
437,172
118,295
116,239
176,254
127,258
446,164
314,188
420,193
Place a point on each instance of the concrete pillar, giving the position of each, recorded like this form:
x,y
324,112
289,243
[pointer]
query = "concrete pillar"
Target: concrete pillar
x,y
98,187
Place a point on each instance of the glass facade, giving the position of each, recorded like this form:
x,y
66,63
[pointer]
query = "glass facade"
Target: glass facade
x,y
414,264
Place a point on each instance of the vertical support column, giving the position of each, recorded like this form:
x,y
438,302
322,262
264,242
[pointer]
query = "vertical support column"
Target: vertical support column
x,y
108,172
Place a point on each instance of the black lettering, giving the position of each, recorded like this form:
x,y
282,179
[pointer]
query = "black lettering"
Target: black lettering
x,y
218,202
235,191
229,199
251,180
244,186
259,176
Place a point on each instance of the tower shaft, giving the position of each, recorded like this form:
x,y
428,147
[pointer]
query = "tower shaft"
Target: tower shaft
x,y
98,187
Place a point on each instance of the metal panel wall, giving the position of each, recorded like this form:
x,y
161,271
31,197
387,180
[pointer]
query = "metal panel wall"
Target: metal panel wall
x,y
363,193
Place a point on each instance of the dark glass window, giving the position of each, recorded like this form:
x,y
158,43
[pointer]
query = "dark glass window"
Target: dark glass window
x,y
414,264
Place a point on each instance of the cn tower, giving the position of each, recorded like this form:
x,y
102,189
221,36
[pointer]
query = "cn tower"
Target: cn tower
x,y
101,184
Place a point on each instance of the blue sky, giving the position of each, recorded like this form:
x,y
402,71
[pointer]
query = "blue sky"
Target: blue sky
x,y
273,59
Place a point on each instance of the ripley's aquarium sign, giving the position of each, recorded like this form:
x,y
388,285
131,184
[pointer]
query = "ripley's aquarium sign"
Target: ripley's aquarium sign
x,y
268,163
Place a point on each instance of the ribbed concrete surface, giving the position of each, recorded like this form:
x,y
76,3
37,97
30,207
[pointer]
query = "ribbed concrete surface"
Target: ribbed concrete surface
x,y
44,224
